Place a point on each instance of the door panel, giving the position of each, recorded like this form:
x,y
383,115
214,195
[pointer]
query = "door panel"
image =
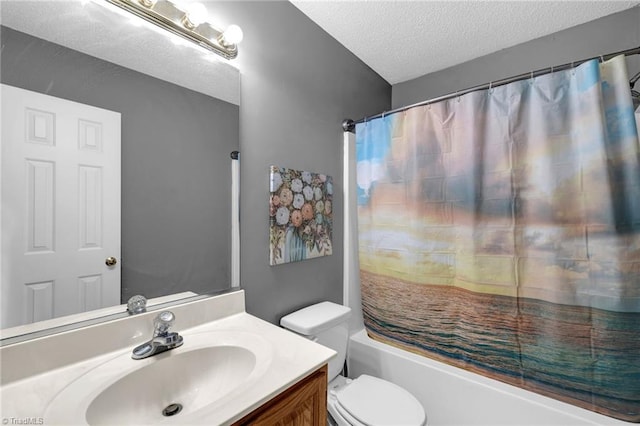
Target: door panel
x,y
60,207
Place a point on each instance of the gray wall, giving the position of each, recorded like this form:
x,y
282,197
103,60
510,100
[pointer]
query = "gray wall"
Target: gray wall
x,y
175,163
298,84
610,34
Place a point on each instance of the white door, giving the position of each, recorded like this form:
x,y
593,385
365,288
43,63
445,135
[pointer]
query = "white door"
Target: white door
x,y
60,207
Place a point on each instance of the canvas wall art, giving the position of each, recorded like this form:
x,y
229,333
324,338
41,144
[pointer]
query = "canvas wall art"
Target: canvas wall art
x,y
300,215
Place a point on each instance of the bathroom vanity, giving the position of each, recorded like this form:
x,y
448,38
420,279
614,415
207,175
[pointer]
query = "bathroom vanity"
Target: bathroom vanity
x,y
304,403
232,369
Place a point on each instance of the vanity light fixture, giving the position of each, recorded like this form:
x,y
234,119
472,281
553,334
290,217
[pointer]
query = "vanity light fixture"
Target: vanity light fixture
x,y
188,23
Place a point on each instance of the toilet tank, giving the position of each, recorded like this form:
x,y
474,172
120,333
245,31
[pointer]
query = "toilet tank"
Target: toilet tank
x,y
324,323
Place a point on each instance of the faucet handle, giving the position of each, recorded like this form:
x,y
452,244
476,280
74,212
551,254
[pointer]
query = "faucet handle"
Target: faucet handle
x,y
163,322
137,305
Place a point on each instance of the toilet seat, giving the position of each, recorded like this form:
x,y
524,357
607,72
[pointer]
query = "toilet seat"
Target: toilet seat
x,y
345,416
375,402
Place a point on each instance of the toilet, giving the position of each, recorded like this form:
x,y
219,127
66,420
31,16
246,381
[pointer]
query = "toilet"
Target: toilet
x,y
367,400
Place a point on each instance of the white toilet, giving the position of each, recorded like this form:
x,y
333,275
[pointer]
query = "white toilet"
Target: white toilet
x,y
367,400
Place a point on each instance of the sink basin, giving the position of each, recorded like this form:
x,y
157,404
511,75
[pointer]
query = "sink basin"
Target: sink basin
x,y
171,386
189,380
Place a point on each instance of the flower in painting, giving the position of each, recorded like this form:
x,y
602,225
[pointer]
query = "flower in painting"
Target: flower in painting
x,y
296,218
327,207
329,188
276,181
296,185
319,206
273,204
319,219
306,176
307,212
282,216
286,196
317,192
323,178
308,192
298,201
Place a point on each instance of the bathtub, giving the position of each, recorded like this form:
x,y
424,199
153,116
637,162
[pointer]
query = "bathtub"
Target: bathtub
x,y
453,396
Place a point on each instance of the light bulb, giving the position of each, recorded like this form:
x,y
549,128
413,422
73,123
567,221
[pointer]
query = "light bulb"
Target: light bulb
x,y
233,35
195,14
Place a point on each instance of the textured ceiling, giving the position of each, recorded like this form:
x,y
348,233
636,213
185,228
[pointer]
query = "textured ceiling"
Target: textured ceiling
x,y
101,31
402,40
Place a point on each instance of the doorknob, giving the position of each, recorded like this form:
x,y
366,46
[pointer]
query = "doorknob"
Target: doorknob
x,y
111,261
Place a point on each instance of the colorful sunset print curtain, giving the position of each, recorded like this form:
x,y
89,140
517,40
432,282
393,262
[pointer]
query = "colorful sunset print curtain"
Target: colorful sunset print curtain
x,y
500,232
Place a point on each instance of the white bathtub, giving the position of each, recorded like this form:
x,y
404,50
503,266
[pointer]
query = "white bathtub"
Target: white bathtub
x,y
453,396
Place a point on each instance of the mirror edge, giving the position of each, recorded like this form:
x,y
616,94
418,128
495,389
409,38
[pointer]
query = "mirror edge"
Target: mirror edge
x,y
49,331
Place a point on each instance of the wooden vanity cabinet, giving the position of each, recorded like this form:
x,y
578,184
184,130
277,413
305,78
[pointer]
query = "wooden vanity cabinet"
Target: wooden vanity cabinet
x,y
303,404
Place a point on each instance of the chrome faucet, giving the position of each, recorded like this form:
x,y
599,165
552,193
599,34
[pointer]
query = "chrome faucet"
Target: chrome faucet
x,y
162,339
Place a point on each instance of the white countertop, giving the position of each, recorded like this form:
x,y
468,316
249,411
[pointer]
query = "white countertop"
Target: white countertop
x,y
28,389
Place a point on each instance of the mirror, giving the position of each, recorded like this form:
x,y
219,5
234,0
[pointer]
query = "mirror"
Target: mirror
x,y
179,123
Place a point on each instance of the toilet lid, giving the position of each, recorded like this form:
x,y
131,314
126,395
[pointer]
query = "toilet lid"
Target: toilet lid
x,y
377,402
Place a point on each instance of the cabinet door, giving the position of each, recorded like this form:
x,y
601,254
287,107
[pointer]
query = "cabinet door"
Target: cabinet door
x,y
303,404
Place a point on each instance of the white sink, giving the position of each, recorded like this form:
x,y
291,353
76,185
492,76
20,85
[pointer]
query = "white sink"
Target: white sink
x,y
208,369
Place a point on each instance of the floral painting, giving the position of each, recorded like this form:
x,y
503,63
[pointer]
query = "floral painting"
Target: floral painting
x,y
300,215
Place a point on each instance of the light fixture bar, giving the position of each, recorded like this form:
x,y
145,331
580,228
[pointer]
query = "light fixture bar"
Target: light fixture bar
x,y
168,16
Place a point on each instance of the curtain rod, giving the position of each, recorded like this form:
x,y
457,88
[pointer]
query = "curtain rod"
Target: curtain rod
x,y
349,125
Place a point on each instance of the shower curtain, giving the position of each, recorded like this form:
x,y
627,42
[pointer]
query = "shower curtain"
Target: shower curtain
x,y
499,232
